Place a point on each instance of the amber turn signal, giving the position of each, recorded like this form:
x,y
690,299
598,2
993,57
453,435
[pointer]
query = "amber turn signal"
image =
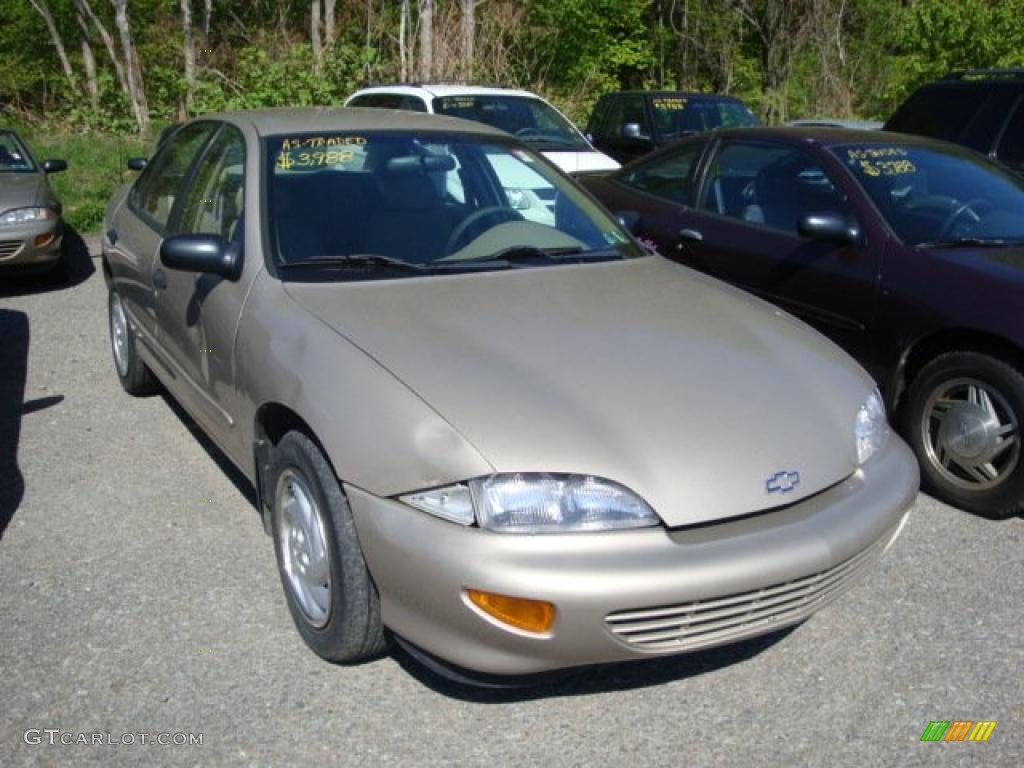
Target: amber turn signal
x,y
518,612
43,240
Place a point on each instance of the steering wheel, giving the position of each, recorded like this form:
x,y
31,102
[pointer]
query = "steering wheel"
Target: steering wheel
x,y
527,131
971,207
463,226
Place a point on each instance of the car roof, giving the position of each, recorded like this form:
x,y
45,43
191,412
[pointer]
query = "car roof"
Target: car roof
x,y
824,136
674,94
973,82
836,122
445,89
298,120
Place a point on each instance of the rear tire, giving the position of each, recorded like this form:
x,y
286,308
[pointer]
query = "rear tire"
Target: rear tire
x,y
135,377
330,594
963,417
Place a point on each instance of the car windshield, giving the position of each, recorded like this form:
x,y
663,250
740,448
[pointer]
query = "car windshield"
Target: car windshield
x,y
679,115
403,204
933,195
13,155
530,119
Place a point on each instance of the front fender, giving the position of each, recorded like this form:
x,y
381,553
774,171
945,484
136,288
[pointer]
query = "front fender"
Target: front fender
x,y
378,434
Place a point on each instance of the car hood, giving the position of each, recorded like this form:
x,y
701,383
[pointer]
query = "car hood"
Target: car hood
x,y
581,162
683,389
19,190
1006,262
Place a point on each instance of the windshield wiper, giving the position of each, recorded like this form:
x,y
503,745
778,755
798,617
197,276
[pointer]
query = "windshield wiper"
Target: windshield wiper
x,y
531,254
357,261
970,242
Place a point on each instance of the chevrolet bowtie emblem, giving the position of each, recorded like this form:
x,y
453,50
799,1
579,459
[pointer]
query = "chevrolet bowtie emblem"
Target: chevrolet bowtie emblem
x,y
782,482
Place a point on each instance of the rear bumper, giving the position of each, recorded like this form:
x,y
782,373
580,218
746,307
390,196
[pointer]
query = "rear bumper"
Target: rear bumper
x,y
31,245
629,594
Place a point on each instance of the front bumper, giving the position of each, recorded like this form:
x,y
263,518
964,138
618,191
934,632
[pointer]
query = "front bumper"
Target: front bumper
x,y
31,245
629,594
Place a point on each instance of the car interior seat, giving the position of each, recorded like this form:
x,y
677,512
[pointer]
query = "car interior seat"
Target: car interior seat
x,y
410,222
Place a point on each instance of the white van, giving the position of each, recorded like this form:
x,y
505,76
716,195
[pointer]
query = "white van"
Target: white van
x,y
521,113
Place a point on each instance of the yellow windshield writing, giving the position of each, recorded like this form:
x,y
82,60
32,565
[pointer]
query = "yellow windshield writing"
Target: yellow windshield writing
x,y
881,161
289,160
669,104
458,102
315,142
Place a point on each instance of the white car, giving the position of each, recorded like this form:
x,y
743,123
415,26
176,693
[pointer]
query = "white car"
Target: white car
x,y
521,113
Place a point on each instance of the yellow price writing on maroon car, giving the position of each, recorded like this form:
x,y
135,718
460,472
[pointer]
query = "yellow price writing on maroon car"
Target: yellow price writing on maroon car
x,y
881,161
875,153
887,167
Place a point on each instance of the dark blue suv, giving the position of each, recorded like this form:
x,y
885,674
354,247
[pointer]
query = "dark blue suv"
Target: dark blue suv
x,y
979,108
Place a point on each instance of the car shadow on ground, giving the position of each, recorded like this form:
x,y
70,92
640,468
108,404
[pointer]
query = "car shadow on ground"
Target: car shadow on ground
x,y
602,678
237,478
13,371
77,268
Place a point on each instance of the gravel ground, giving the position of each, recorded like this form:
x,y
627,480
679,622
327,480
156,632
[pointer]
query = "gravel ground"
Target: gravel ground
x,y
138,594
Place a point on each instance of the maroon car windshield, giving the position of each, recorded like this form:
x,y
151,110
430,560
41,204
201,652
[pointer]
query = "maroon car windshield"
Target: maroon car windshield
x,y
937,196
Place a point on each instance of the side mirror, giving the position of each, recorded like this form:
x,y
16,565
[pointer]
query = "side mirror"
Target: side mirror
x,y
829,226
632,131
136,163
630,220
55,166
200,253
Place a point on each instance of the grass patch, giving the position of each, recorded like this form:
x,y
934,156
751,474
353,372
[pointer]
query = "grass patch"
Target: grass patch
x,y
96,168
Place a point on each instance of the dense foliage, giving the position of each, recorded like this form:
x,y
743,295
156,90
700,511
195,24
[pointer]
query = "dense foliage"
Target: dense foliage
x,y
788,58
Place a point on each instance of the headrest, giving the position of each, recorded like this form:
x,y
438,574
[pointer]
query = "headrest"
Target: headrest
x,y
408,192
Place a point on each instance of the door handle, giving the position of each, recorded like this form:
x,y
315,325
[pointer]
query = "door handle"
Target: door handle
x,y
690,234
159,279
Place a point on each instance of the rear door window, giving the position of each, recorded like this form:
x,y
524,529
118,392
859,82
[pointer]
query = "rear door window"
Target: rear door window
x,y
669,176
1011,146
983,130
941,113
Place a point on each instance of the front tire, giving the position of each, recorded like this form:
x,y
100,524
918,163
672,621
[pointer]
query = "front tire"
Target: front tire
x,y
330,594
963,417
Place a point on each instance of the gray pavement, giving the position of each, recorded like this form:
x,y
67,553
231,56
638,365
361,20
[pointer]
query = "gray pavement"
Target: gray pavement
x,y
138,594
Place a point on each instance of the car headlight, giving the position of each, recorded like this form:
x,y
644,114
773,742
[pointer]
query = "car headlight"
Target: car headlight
x,y
537,503
871,428
26,215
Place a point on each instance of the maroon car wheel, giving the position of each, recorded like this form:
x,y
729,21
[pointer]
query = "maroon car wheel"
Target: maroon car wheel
x,y
963,417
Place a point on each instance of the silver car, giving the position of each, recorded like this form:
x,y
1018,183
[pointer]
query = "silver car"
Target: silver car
x,y
519,446
30,223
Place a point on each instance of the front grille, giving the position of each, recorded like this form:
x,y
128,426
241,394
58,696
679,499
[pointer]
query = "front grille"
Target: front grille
x,y
711,622
9,248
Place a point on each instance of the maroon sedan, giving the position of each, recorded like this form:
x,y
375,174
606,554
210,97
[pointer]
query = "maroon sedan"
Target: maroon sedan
x,y
907,252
